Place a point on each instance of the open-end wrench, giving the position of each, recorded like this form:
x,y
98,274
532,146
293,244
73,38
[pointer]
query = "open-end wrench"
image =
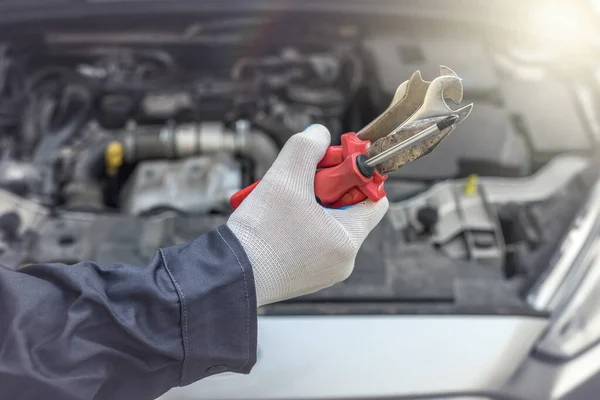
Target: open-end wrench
x,y
407,100
434,104
454,93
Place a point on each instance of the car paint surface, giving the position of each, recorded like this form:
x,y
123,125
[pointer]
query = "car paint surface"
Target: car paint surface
x,y
335,357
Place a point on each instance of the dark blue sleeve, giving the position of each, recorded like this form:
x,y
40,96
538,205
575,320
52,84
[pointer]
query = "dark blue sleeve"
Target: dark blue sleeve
x,y
89,331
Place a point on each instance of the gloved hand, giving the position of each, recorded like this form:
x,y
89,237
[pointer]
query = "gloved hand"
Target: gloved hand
x,y
296,246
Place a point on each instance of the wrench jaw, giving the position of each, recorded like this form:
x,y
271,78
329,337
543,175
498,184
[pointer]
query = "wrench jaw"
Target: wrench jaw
x,y
444,70
416,80
434,104
434,98
454,92
400,93
400,110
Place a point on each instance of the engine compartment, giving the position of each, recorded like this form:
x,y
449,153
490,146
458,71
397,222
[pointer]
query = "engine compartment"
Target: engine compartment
x,y
82,98
113,144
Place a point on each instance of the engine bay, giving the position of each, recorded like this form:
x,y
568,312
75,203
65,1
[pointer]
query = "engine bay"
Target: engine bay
x,y
113,144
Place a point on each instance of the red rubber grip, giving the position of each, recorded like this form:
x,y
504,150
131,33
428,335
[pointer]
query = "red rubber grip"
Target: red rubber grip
x,y
373,190
338,182
331,184
333,156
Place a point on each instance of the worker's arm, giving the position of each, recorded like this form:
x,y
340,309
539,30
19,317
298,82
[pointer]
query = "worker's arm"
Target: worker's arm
x,y
111,332
89,331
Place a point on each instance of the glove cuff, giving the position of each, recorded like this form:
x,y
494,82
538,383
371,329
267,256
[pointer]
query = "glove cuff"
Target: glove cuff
x,y
269,275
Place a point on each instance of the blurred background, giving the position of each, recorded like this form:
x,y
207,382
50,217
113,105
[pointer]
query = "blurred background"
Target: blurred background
x,y
126,125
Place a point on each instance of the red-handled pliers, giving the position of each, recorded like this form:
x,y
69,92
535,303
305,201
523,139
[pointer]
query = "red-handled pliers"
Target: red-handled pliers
x,y
346,175
342,178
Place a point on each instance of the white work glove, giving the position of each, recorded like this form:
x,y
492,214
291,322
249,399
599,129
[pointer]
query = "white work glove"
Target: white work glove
x,y
296,246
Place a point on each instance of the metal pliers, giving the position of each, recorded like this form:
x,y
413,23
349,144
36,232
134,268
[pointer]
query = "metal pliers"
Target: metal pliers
x,y
415,122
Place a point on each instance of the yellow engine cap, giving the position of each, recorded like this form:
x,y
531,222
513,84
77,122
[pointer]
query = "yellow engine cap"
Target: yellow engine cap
x,y
113,158
470,188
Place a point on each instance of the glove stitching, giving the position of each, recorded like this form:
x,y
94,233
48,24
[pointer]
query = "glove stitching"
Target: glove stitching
x,y
247,298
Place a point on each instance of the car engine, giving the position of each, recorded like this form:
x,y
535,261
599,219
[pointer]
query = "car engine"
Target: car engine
x,y
182,128
115,144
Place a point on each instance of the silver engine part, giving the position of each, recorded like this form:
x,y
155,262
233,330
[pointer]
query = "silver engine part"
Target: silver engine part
x,y
19,175
193,185
465,224
186,140
206,177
